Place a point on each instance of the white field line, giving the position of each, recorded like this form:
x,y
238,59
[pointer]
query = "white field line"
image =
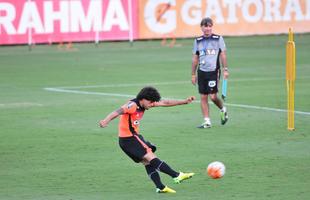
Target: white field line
x,y
19,105
124,85
85,92
63,90
167,83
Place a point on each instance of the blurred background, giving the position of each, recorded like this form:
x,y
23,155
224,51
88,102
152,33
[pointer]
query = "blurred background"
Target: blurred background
x,y
43,21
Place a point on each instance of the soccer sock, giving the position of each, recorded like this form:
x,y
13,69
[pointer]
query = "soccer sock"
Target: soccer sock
x,y
163,167
207,120
154,176
224,109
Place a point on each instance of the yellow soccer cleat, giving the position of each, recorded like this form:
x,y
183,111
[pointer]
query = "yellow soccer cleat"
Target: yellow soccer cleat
x,y
165,190
183,176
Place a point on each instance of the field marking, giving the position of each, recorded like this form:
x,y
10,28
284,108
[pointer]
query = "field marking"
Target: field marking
x,y
69,90
168,83
19,105
123,85
85,92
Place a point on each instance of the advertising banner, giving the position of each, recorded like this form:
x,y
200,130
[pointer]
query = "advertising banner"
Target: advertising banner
x,y
181,18
41,21
47,21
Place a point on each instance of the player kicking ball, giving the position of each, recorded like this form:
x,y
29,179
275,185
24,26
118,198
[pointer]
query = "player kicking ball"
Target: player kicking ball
x,y
133,143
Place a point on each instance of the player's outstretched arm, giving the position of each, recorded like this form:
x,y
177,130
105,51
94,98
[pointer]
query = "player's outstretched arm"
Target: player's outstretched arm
x,y
104,123
171,102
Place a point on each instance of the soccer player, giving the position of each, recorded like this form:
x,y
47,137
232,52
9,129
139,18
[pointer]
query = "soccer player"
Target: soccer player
x,y
209,52
132,142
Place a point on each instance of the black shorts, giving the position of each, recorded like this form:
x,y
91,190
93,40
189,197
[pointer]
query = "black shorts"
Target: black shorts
x,y
136,147
207,82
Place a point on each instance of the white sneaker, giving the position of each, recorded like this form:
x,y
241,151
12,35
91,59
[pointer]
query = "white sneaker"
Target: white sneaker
x,y
224,116
205,125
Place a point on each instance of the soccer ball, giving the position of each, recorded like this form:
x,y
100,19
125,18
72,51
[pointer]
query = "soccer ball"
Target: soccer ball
x,y
216,169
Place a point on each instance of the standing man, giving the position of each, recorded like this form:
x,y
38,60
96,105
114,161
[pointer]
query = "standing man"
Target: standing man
x,y
209,53
132,142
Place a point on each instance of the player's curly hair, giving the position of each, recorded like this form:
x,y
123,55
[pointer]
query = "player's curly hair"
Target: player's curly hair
x,y
149,93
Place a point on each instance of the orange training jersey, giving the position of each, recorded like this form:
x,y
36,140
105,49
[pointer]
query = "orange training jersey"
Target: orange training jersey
x,y
130,120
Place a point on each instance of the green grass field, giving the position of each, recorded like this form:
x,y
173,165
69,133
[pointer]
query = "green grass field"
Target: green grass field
x,y
51,147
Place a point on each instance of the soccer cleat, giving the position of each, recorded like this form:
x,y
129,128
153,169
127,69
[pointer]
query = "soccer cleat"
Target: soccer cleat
x,y
205,125
165,190
224,117
183,176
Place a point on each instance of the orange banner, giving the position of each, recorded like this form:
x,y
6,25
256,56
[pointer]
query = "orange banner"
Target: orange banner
x,y
181,18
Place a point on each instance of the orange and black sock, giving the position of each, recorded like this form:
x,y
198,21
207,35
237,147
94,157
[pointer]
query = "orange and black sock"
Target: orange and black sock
x,y
163,167
154,176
